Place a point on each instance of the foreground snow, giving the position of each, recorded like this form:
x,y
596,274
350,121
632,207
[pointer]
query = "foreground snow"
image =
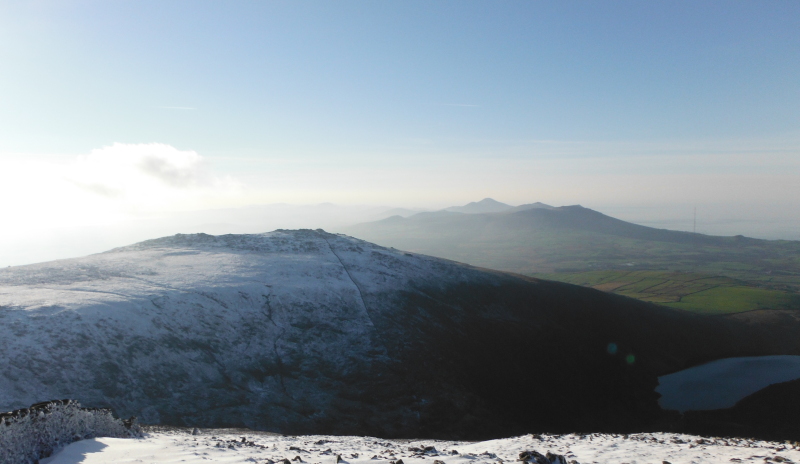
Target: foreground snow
x,y
246,446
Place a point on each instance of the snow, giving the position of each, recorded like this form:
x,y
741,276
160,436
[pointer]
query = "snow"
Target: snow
x,y
226,446
268,329
28,434
721,384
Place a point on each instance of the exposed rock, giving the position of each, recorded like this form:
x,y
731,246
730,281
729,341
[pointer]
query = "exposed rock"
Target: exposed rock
x,y
555,458
533,457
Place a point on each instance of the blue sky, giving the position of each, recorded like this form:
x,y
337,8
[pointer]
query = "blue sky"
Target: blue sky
x,y
291,77
623,104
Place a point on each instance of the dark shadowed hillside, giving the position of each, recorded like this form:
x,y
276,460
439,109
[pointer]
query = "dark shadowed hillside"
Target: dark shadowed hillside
x,y
770,414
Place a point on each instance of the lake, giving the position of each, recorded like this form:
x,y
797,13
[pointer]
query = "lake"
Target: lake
x,y
720,384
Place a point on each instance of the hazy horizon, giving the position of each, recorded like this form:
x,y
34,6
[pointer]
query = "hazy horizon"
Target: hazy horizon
x,y
31,246
128,120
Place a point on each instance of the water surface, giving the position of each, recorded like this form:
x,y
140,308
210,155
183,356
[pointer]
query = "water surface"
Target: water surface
x,y
720,384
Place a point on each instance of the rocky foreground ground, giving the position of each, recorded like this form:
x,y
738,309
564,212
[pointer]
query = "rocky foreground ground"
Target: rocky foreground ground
x,y
168,445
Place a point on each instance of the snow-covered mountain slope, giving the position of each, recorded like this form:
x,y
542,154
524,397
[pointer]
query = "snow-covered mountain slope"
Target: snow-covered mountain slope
x,y
190,323
310,332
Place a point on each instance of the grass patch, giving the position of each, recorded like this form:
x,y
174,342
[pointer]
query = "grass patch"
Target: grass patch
x,y
689,291
725,300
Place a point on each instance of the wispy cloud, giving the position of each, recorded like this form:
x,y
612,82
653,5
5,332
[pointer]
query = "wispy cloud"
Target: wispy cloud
x,y
99,189
465,105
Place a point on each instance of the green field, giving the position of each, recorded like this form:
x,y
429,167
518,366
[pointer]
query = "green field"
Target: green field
x,y
684,290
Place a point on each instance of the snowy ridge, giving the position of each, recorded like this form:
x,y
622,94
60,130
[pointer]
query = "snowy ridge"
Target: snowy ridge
x,y
27,435
270,322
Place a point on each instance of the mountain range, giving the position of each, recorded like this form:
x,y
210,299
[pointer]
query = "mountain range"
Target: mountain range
x,y
538,238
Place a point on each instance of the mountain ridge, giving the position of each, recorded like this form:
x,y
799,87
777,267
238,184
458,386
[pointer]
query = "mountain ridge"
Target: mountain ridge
x,y
537,238
487,205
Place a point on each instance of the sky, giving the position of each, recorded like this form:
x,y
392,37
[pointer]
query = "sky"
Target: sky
x,y
112,112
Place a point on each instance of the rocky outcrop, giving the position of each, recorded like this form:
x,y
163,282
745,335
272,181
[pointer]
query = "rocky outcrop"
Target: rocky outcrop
x,y
535,457
29,434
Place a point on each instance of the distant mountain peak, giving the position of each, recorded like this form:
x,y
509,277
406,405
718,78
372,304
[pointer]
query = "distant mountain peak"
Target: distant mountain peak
x,y
537,205
488,201
487,205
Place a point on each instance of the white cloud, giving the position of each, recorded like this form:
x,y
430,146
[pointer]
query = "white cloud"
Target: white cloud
x,y
129,168
108,185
